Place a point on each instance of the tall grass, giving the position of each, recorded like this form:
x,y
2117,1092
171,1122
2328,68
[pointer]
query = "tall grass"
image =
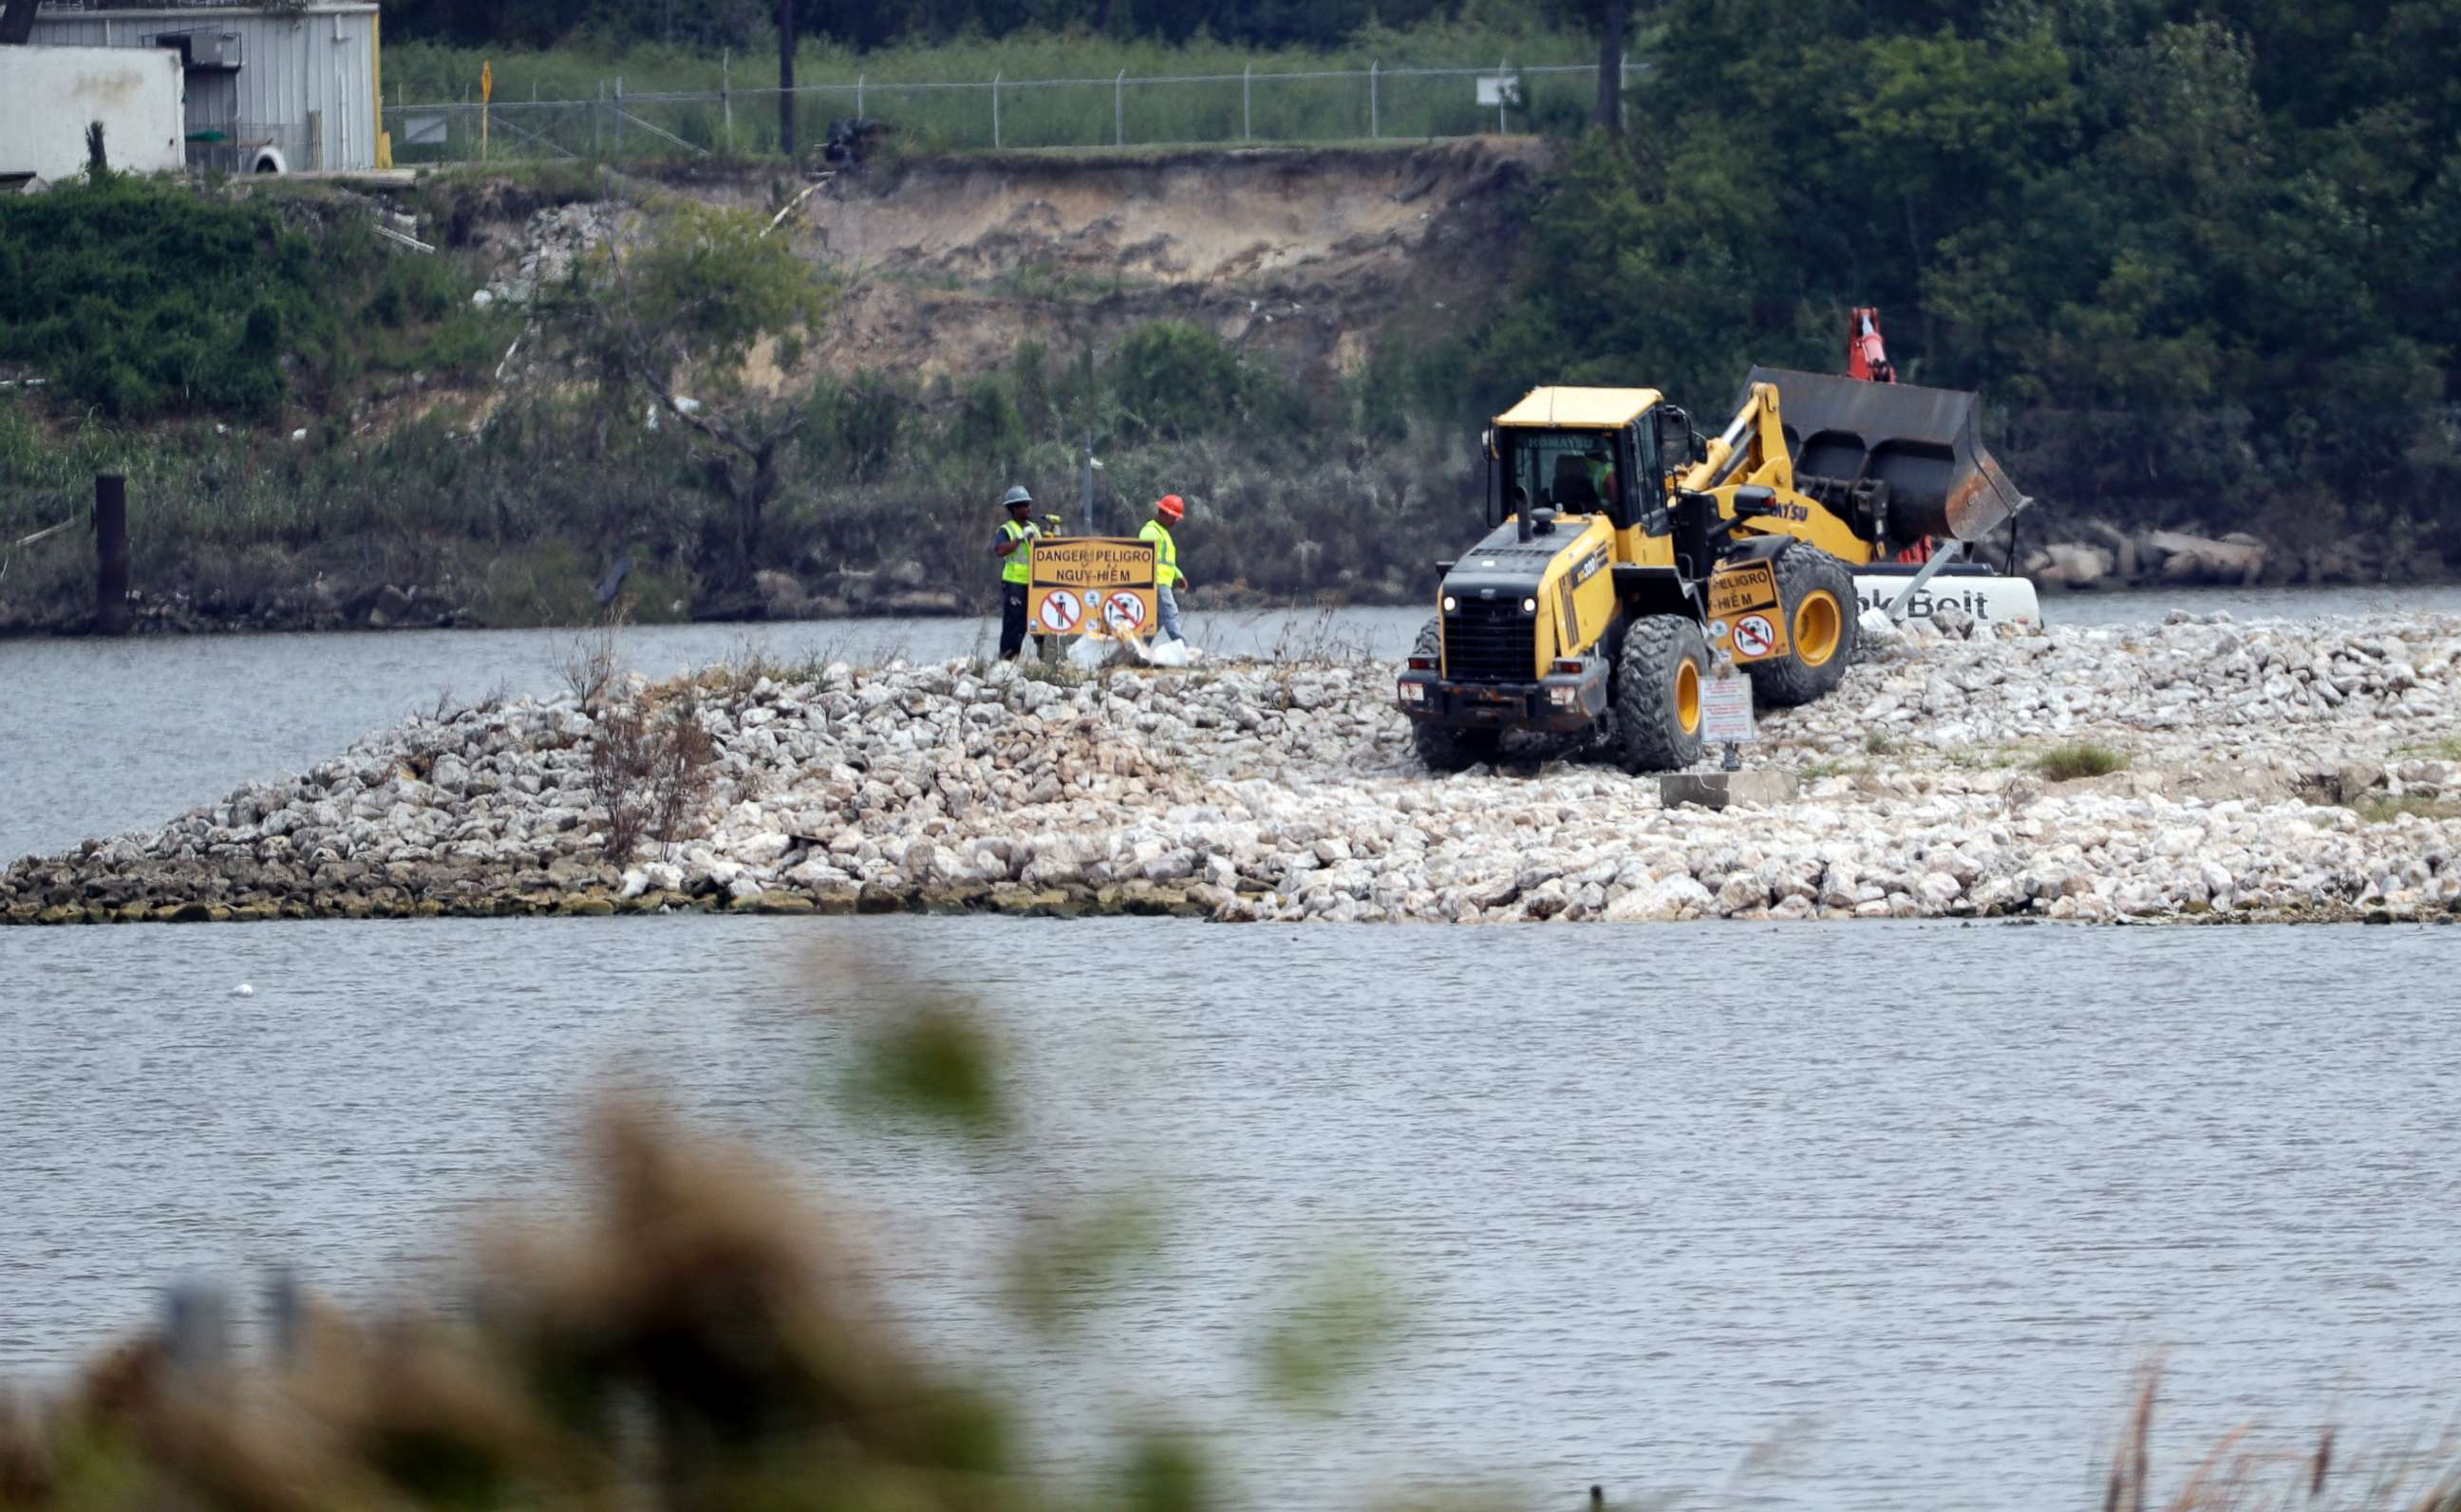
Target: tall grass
x,y
428,72
514,523
509,526
2379,810
1192,93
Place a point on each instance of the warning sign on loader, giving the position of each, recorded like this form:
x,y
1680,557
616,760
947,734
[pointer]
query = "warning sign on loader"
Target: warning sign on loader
x,y
1082,583
1744,614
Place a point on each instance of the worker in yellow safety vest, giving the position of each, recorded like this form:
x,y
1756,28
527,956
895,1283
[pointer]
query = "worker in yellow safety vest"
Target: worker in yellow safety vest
x,y
1602,479
1170,511
1014,547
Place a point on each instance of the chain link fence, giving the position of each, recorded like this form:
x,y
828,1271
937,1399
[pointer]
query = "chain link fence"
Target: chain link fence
x,y
1330,105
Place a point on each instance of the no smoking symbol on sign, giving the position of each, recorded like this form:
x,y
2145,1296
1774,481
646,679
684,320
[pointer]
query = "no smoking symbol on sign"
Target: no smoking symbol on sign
x,y
1060,613
1754,635
1127,610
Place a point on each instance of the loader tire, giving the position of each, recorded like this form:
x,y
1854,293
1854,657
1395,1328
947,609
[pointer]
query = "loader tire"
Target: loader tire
x,y
1442,748
1657,694
1815,592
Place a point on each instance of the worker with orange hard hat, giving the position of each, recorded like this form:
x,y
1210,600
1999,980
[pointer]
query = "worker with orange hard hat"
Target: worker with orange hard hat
x,y
1168,511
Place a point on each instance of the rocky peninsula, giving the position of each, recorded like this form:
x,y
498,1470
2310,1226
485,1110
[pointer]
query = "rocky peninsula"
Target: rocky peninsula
x,y
2273,769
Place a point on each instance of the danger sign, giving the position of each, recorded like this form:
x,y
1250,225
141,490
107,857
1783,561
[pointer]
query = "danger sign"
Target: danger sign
x,y
1093,562
1739,586
1082,584
1743,612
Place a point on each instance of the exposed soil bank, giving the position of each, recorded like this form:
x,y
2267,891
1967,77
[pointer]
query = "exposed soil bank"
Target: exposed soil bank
x,y
2277,770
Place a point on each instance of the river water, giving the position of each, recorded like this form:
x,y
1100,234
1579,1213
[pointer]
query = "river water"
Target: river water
x,y
1864,1216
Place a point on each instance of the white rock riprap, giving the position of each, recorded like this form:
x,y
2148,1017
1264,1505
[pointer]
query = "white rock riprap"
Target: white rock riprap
x,y
2276,770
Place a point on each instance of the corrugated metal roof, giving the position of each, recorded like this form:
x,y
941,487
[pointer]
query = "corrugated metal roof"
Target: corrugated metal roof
x,y
1581,409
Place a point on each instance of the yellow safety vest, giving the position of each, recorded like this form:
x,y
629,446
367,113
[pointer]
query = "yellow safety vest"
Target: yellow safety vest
x,y
1166,553
1017,567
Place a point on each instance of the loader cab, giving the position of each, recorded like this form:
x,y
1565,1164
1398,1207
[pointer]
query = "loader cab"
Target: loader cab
x,y
1581,451
1568,472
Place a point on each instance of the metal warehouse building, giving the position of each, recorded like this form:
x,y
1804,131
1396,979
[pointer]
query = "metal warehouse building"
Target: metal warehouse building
x,y
270,90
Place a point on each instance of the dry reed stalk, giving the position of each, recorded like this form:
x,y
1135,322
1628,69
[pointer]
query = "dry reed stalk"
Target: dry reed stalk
x,y
2193,1497
2128,1465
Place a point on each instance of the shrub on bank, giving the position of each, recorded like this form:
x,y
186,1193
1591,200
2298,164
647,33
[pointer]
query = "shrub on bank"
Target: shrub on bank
x,y
2081,759
1174,379
145,299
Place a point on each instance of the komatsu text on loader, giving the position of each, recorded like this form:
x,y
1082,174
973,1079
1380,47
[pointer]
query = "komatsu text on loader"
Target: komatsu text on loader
x,y
1624,550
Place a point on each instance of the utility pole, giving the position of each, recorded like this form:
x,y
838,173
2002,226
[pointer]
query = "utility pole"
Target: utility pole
x,y
1610,115
787,76
111,554
1088,503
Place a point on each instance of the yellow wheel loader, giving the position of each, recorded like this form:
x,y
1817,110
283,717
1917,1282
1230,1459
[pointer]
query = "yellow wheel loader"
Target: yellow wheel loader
x,y
1624,552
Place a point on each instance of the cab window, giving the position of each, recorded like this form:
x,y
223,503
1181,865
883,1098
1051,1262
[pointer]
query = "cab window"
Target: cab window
x,y
1649,474
1572,472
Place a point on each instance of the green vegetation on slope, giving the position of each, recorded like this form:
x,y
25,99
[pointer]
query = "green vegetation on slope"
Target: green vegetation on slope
x,y
2197,265
143,299
510,519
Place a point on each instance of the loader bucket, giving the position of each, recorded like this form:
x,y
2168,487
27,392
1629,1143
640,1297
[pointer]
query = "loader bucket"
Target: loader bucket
x,y
1926,444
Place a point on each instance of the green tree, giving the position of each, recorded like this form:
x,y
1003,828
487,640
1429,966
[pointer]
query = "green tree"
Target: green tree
x,y
708,316
1174,378
2200,258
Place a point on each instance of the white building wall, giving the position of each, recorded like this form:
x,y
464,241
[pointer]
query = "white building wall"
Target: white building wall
x,y
322,59
48,95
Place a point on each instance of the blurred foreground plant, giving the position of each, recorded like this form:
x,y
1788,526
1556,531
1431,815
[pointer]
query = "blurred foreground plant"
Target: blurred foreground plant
x,y
696,1343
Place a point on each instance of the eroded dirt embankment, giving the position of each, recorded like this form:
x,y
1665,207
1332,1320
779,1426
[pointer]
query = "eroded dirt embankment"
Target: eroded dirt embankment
x,y
1309,253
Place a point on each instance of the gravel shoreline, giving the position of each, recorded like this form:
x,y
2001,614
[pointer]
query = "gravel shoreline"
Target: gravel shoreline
x,y
2277,770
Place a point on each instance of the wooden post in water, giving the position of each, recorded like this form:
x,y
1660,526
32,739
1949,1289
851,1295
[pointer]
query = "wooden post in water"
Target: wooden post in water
x,y
110,554
786,78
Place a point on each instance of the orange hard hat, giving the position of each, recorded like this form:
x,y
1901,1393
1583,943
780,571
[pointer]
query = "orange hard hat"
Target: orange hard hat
x,y
1172,508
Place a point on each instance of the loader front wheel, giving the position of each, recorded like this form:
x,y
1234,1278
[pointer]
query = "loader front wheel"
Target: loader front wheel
x,y
1815,592
1657,694
1441,748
